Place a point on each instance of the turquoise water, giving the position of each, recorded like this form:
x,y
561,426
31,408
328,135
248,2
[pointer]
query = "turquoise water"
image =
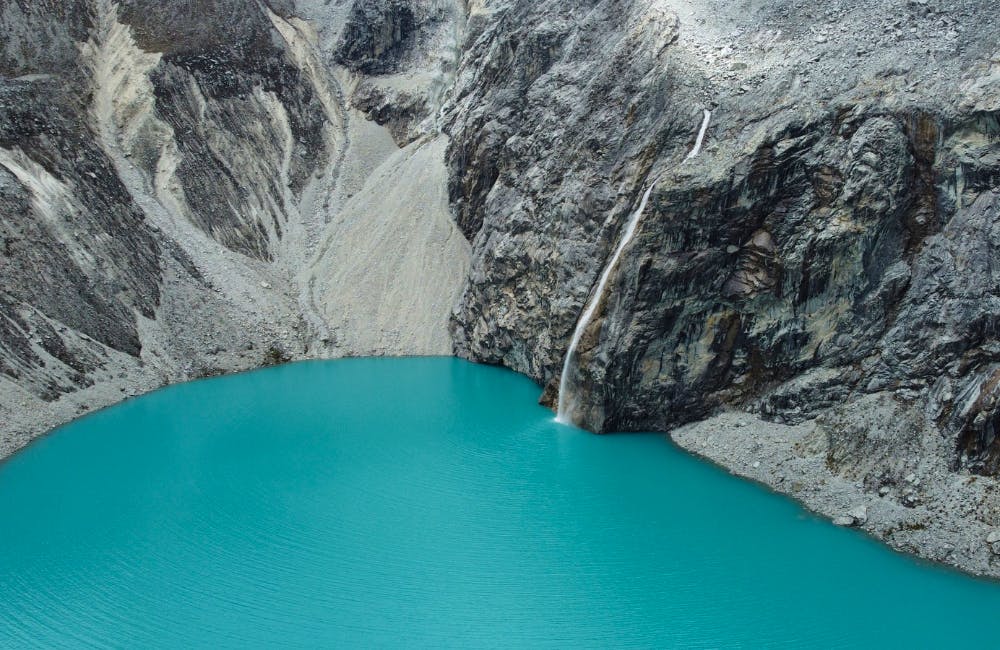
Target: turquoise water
x,y
427,502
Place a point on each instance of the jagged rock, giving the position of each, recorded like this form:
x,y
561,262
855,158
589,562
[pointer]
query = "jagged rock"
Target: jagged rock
x,y
757,270
856,516
400,111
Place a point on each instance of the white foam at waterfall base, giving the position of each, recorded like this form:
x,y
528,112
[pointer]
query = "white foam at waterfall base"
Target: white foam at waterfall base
x,y
566,402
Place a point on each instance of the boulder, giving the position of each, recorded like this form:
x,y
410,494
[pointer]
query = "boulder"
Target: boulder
x,y
993,541
859,514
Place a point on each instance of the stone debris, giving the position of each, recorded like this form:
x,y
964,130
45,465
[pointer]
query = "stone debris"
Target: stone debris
x,y
947,527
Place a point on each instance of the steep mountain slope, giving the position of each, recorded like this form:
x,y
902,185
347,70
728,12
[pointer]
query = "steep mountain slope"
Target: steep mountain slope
x,y
199,187
828,254
169,171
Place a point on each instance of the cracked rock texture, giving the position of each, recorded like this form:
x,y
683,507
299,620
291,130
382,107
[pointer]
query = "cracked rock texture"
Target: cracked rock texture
x,y
190,188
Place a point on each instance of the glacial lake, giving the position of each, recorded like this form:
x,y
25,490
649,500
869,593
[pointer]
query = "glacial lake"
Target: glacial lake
x,y
428,503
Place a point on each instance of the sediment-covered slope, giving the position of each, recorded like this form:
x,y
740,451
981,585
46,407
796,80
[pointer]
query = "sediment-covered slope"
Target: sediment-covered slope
x,y
406,260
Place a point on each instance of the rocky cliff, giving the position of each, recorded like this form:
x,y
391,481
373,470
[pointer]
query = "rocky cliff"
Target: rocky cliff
x,y
826,259
200,187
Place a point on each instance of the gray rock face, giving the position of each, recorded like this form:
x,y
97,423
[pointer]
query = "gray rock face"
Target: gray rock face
x,y
84,264
183,184
801,261
83,258
546,163
199,27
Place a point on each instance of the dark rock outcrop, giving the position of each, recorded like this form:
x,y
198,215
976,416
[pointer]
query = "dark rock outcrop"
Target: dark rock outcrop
x,y
377,36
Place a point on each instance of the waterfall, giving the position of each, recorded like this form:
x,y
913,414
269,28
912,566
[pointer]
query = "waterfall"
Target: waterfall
x,y
581,325
564,411
696,149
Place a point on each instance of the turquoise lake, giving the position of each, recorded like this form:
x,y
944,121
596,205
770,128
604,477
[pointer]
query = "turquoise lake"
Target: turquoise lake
x,y
428,503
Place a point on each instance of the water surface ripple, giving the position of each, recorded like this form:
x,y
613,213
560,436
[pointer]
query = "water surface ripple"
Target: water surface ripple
x,y
427,502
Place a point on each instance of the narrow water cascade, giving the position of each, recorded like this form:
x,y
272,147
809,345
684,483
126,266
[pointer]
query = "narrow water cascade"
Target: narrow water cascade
x,y
701,136
566,404
568,401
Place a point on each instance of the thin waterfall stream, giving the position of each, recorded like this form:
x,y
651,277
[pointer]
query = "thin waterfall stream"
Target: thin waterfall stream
x,y
567,401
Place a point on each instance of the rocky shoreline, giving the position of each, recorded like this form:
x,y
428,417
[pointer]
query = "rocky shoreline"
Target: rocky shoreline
x,y
946,525
25,418
935,514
